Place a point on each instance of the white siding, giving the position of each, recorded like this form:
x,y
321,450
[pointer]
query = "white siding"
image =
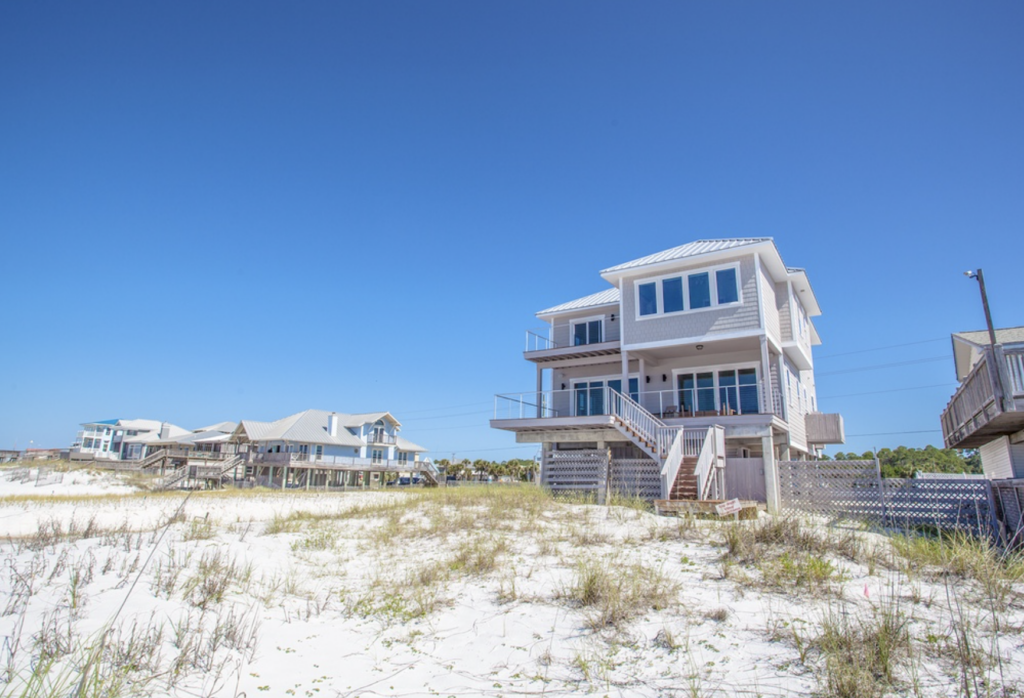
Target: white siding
x,y
995,459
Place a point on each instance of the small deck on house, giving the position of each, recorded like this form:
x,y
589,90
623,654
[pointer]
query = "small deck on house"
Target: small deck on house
x,y
974,415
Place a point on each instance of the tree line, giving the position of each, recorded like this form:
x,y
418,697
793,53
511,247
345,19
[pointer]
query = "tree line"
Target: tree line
x,y
904,462
522,469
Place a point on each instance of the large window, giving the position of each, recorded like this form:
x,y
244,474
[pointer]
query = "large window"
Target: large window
x,y
724,392
688,292
587,331
590,396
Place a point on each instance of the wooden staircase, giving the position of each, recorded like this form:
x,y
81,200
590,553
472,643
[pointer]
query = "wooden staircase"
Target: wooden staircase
x,y
685,487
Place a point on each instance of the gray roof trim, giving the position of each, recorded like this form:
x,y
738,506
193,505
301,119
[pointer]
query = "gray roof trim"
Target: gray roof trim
x,y
690,249
1006,335
609,296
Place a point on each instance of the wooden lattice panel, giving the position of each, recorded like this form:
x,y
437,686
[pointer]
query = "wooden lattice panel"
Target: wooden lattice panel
x,y
580,471
1011,500
853,489
635,477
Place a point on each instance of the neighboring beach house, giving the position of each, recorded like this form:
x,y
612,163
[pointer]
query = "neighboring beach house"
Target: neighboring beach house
x,y
329,448
687,379
120,439
987,410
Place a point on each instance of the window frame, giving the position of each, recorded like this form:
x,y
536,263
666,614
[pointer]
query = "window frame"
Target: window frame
x,y
684,276
586,322
716,386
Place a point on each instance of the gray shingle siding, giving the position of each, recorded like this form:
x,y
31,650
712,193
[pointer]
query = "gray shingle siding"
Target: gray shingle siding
x,y
782,304
702,323
562,336
771,311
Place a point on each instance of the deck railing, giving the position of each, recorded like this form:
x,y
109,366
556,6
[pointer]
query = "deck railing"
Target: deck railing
x,y
974,403
561,336
588,402
307,460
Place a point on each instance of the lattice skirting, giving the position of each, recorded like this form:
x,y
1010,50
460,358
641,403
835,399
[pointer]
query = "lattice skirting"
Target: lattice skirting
x,y
1009,496
635,477
852,489
588,470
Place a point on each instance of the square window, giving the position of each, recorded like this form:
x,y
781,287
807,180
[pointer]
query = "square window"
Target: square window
x,y
672,294
648,298
728,292
700,290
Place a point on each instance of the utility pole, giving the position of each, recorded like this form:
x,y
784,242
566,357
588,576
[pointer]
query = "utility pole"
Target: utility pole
x,y
995,351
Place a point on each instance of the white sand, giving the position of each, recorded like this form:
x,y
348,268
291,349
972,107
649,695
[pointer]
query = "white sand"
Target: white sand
x,y
318,635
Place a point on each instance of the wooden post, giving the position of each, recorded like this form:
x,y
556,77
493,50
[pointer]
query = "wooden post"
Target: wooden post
x,y
771,476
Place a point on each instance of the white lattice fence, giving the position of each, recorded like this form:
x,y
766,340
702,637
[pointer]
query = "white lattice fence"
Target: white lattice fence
x,y
853,489
1009,495
574,471
635,477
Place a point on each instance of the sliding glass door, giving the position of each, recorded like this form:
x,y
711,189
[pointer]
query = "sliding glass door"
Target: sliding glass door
x,y
727,392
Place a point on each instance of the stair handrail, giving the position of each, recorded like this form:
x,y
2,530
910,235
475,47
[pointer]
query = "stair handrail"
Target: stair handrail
x,y
152,458
673,461
230,464
709,461
630,412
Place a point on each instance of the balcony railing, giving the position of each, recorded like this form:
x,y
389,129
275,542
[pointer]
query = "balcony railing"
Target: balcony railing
x,y
666,404
307,460
974,404
563,336
381,438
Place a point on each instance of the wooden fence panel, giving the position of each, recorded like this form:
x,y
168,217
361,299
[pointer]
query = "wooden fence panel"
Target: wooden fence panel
x,y
853,489
574,471
744,479
1010,498
635,477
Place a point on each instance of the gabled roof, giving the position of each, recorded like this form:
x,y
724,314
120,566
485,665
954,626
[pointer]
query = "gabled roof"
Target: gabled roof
x,y
174,434
406,445
690,249
305,427
140,424
223,427
606,297
1007,335
968,347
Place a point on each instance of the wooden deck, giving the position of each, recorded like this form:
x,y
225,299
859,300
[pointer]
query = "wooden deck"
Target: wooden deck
x,y
706,507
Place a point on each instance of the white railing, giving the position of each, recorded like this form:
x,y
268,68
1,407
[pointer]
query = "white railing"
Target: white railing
x,y
582,402
562,336
710,463
644,424
693,441
670,404
342,462
673,461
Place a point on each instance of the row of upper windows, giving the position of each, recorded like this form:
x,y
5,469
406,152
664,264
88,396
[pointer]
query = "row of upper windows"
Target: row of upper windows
x,y
684,292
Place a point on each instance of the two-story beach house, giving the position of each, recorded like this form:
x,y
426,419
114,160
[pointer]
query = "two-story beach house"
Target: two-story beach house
x,y
120,439
688,378
987,410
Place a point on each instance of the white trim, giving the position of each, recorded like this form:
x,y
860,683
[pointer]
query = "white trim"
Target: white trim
x,y
658,282
714,371
741,334
760,291
583,321
576,310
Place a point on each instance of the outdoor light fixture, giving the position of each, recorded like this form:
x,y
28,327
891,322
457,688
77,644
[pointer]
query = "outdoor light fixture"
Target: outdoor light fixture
x,y
664,378
648,378
613,317
699,347
563,386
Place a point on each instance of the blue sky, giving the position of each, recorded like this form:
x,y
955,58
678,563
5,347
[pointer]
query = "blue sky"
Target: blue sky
x,y
234,210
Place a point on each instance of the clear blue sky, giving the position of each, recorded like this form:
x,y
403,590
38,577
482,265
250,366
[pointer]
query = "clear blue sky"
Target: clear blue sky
x,y
232,210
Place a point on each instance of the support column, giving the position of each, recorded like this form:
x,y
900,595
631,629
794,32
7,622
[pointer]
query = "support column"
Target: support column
x,y
771,475
766,370
641,381
540,391
284,478
602,477
625,372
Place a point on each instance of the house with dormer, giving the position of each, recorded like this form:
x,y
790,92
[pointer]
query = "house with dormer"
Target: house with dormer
x,y
687,377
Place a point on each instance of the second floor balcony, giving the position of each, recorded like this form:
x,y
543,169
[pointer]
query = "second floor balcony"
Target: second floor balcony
x,y
977,413
591,337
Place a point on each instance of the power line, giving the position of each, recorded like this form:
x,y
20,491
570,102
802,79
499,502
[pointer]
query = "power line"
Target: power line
x,y
891,346
449,407
879,392
877,366
446,416
484,450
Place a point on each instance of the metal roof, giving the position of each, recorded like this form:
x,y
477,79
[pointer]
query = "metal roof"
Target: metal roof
x,y
224,427
358,420
406,445
1007,335
690,249
305,427
605,297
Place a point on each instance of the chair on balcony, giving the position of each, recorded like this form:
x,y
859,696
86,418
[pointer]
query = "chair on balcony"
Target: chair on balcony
x,y
670,411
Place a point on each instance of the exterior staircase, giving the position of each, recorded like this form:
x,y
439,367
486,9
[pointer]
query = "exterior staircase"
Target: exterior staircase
x,y
692,460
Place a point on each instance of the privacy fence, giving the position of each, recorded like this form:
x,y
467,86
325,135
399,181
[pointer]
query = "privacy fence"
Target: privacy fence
x,y
854,490
590,471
